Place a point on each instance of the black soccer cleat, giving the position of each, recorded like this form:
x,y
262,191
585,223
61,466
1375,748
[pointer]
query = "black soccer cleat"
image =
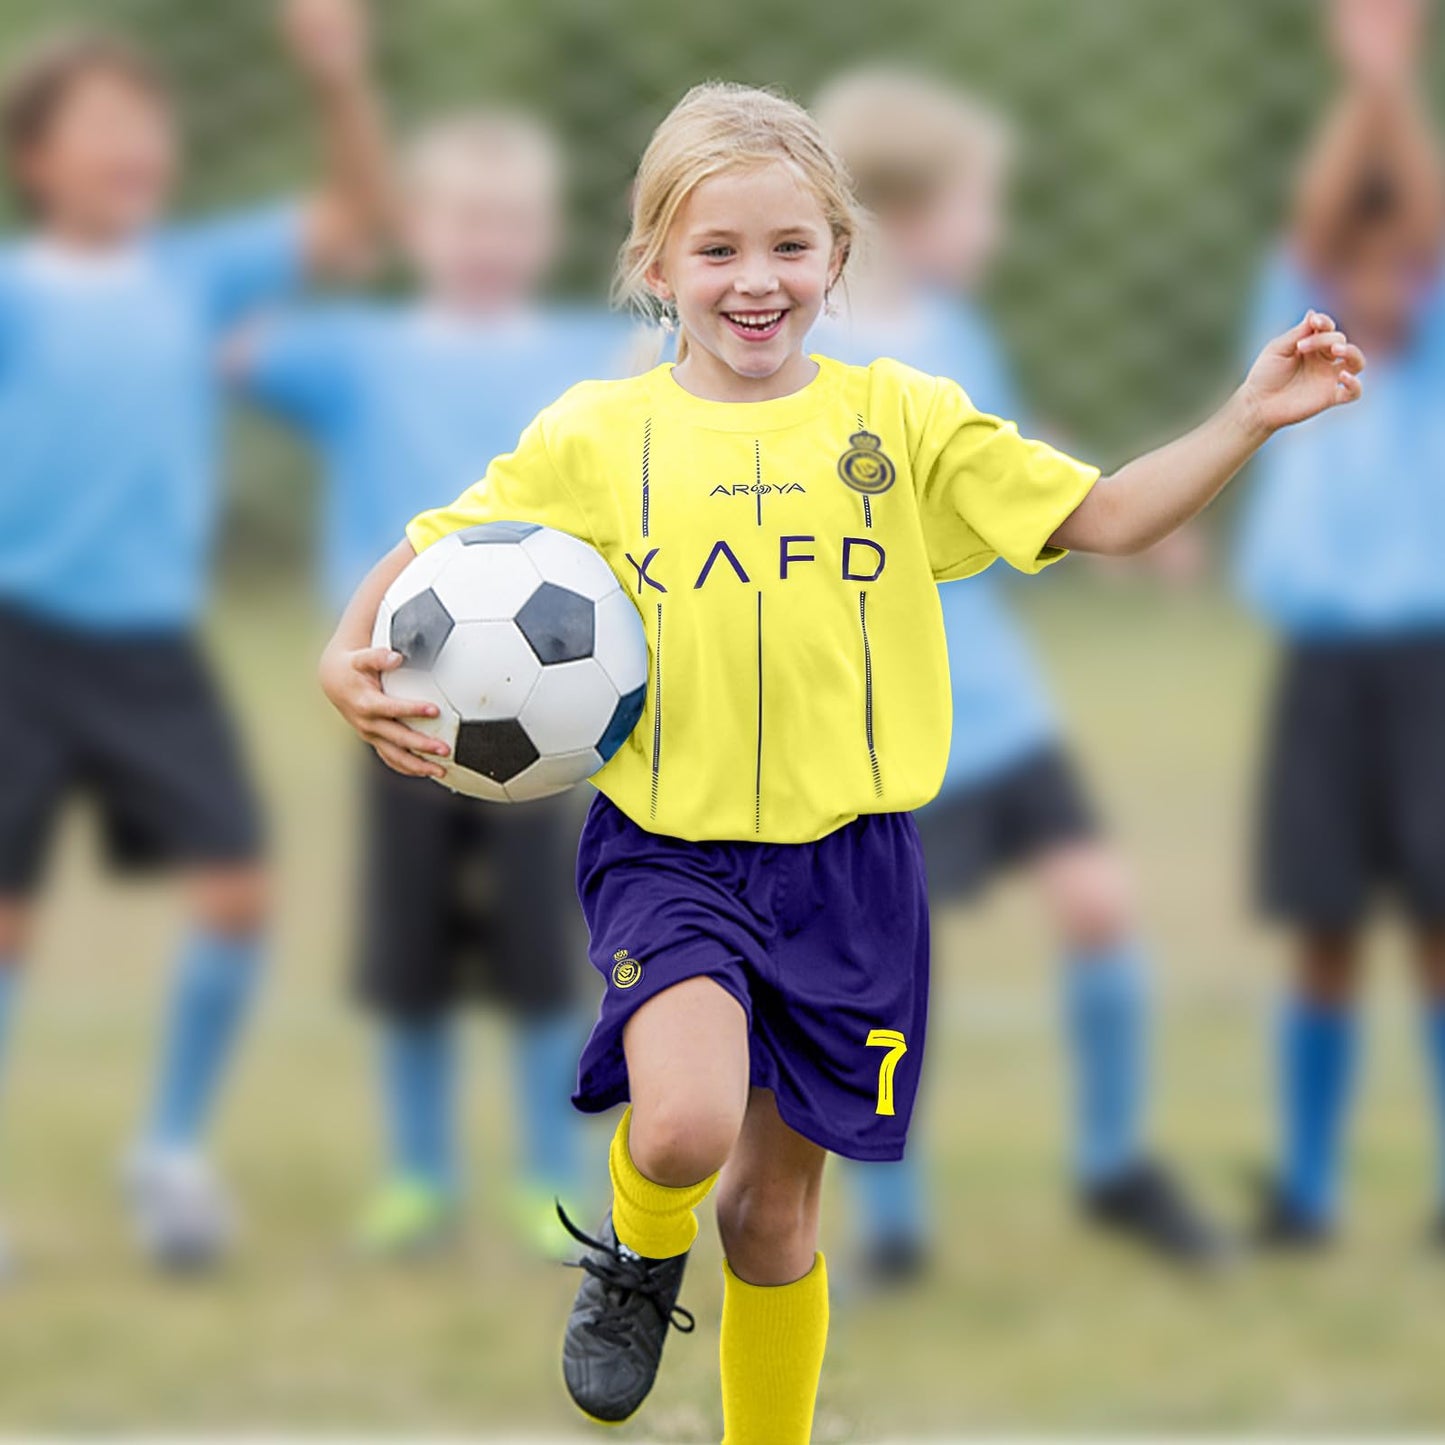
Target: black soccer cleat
x,y
1435,1233
618,1324
893,1262
1283,1226
1147,1204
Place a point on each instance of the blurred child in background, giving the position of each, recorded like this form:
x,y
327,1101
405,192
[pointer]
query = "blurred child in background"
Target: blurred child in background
x,y
406,403
108,498
1339,554
931,165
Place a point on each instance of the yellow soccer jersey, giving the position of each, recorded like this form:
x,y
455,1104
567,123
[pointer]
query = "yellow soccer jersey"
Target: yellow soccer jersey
x,y
783,556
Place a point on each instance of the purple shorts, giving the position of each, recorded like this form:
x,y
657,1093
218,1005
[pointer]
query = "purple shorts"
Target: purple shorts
x,y
825,946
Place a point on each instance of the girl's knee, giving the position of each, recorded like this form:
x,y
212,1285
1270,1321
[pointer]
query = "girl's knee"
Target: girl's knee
x,y
1092,896
14,931
765,1221
235,902
681,1142
1328,967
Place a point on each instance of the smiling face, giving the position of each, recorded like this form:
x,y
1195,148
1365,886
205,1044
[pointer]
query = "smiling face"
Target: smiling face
x,y
103,166
748,261
481,236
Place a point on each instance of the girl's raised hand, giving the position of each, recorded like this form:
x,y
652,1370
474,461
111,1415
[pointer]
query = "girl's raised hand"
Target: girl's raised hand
x,y
1309,369
352,681
327,39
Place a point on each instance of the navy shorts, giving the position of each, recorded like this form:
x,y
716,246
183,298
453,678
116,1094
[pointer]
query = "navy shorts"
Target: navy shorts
x,y
463,899
825,946
137,726
981,829
1353,791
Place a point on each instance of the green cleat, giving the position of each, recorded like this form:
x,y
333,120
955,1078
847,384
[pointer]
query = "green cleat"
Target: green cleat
x,y
532,1209
406,1219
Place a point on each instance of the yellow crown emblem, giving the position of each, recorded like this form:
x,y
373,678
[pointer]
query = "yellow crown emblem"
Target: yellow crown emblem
x,y
620,954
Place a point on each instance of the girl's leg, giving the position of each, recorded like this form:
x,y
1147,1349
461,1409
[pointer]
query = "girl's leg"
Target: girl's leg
x,y
687,1069
687,1065
775,1302
214,978
1430,963
1106,1013
1318,1042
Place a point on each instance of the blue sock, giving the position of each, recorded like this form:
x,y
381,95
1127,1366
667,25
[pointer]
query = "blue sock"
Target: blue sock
x,y
1106,1007
890,1200
418,1068
9,987
1434,1029
1318,1044
544,1073
214,979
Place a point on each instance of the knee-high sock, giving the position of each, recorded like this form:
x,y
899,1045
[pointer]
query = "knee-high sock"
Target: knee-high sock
x,y
9,988
544,1071
213,982
773,1338
653,1220
1434,1029
890,1200
1318,1045
418,1076
1107,1011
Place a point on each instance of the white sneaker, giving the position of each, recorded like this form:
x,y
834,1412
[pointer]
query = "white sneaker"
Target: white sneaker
x,y
182,1217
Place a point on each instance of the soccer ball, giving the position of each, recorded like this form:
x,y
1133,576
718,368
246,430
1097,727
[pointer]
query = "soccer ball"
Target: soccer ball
x,y
533,654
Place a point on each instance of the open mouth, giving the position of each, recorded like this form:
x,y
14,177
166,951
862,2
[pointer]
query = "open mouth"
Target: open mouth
x,y
756,325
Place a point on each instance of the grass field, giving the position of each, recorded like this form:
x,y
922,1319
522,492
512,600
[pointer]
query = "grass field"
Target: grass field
x,y
1028,1324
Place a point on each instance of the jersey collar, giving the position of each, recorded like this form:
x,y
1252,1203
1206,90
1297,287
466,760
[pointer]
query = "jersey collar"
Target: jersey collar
x,y
749,416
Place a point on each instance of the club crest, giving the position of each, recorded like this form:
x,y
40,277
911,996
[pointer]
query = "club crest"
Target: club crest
x,y
864,466
625,971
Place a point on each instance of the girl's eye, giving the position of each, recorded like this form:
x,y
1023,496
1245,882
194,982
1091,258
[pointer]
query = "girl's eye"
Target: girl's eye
x,y
718,251
793,245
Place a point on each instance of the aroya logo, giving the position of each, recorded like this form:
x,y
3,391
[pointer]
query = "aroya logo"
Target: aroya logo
x,y
756,489
625,971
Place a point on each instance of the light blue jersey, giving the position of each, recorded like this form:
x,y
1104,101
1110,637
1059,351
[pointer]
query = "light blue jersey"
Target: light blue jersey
x,y
1001,708
1341,533
108,415
408,406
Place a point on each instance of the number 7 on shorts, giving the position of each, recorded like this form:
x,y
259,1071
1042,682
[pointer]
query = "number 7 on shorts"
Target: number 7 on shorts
x,y
893,1041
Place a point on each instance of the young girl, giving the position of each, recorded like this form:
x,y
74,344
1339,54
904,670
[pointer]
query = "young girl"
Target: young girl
x,y
400,399
751,876
110,318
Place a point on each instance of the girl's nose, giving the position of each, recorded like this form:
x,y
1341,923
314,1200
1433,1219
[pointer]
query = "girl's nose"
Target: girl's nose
x,y
756,283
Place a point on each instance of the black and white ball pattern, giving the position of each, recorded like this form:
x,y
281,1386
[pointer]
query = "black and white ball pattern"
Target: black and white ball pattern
x,y
534,655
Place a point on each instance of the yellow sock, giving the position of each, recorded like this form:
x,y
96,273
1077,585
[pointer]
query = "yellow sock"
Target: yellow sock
x,y
655,1220
772,1353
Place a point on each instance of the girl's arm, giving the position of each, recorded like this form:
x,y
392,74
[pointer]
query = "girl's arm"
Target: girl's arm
x,y
350,675
1379,129
328,42
1298,375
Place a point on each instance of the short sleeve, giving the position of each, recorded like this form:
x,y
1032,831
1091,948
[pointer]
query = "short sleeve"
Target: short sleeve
x,y
242,262
522,486
299,365
985,492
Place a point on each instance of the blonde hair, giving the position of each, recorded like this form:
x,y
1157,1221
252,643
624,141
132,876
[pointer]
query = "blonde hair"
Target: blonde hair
x,y
903,133
484,138
720,126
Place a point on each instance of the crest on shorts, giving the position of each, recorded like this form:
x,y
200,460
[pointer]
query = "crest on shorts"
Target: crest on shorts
x,y
625,971
865,466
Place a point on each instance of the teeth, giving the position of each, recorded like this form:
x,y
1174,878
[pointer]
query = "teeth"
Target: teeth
x,y
756,323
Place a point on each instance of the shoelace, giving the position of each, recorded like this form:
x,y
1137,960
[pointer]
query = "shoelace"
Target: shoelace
x,y
624,1275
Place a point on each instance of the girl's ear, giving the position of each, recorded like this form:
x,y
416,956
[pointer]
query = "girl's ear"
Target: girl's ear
x,y
835,266
656,282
